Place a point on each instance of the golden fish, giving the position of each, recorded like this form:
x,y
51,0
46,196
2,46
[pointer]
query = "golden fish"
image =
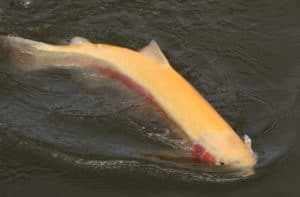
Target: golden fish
x,y
149,73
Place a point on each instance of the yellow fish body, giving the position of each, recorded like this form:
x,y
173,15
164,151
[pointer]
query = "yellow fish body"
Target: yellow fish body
x,y
149,73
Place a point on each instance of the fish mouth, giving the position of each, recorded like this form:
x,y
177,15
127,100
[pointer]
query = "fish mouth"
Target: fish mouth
x,y
201,155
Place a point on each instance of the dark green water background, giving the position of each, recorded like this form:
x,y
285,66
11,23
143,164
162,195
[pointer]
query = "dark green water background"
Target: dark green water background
x,y
60,138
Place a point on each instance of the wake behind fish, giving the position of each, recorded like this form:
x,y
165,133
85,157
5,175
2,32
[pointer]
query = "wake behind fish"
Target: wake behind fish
x,y
159,169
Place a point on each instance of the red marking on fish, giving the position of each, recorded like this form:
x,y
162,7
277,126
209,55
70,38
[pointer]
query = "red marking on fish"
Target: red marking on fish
x,y
200,154
130,84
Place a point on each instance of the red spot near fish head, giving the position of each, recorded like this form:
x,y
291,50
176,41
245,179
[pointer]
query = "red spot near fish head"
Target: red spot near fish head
x,y
199,154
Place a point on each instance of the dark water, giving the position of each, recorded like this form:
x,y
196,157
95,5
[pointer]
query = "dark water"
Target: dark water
x,y
61,138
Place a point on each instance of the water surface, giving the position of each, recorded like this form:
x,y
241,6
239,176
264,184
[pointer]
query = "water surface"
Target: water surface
x,y
60,137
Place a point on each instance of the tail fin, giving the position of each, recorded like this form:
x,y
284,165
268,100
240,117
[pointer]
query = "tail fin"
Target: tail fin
x,y
28,55
23,53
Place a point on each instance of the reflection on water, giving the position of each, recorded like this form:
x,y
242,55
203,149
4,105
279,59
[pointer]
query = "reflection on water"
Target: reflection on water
x,y
241,55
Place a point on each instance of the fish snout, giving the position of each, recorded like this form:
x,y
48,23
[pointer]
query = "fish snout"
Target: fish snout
x,y
228,150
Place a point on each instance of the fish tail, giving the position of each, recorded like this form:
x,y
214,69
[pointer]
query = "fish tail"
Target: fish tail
x,y
24,53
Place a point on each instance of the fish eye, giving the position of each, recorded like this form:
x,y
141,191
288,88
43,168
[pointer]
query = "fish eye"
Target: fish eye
x,y
221,163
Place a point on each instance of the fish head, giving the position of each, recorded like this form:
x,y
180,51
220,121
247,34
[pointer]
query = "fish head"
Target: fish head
x,y
223,148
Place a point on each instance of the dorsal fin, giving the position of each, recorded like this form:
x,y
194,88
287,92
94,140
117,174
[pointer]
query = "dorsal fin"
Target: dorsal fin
x,y
153,51
79,41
